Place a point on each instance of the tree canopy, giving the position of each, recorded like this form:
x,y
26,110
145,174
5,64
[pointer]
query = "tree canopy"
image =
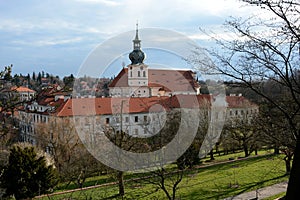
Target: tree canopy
x,y
27,174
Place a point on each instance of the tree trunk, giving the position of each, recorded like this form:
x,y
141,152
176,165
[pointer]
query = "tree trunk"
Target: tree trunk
x,y
211,153
245,147
276,150
294,180
121,183
217,148
287,166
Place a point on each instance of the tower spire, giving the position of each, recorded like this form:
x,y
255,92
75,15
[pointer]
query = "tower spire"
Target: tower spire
x,y
137,31
137,55
136,41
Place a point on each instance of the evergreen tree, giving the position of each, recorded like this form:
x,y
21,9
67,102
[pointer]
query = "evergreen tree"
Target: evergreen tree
x,y
6,74
69,81
189,158
16,80
39,78
27,173
28,79
33,76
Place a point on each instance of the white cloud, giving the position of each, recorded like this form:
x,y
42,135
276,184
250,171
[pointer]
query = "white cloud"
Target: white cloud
x,y
47,41
84,23
104,2
220,35
175,14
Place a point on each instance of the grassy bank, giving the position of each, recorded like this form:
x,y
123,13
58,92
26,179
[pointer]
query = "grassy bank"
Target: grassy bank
x,y
206,182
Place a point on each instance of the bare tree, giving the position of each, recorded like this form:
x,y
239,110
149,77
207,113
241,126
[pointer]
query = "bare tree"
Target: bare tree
x,y
125,142
274,132
9,101
167,180
59,138
267,49
243,133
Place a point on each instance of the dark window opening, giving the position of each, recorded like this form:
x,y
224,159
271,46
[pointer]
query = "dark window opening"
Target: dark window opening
x,y
107,120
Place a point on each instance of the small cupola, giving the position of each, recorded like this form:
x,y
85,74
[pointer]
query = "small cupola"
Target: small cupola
x,y
137,56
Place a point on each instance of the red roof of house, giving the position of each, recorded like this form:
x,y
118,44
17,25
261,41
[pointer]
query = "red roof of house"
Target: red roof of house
x,y
108,106
170,80
23,89
239,102
121,80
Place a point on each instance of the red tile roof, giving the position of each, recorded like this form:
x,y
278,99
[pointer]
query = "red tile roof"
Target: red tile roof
x,y
121,80
23,89
170,80
239,102
108,106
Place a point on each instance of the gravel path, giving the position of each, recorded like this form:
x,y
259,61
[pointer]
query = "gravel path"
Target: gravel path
x,y
261,193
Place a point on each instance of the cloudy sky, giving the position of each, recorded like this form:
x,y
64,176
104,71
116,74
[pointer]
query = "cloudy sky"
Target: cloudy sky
x,y
57,36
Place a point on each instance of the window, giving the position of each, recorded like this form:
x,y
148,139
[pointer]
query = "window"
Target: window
x,y
136,118
139,74
144,73
107,120
126,119
130,73
145,118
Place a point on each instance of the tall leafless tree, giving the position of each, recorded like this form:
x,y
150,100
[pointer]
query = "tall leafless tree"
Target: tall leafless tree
x,y
266,49
72,160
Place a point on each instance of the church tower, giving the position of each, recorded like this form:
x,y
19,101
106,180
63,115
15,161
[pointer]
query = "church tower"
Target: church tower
x,y
137,70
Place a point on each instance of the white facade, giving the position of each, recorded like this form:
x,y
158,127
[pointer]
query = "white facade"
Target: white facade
x,y
138,75
132,91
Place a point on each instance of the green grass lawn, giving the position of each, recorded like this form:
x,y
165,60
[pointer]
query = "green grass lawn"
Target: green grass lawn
x,y
211,182
97,180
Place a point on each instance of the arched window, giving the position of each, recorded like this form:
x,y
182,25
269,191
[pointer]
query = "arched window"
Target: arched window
x,y
144,73
139,74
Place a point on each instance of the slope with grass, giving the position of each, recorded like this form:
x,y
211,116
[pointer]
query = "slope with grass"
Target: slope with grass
x,y
216,181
